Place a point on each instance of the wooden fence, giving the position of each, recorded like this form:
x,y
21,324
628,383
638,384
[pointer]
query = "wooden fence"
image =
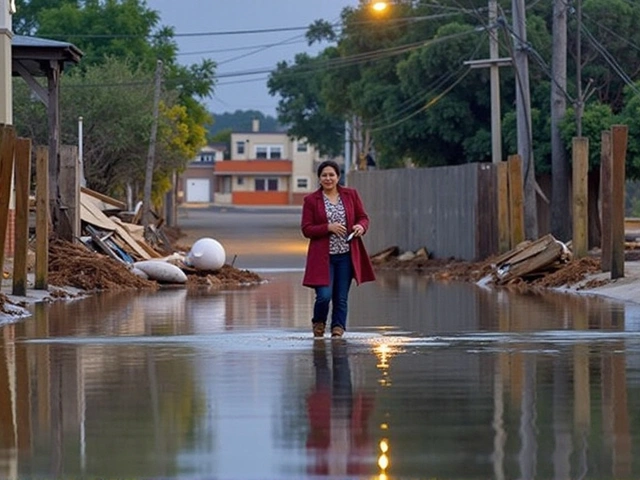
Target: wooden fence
x,y
451,211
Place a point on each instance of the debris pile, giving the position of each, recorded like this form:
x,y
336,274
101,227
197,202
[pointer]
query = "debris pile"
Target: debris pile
x,y
76,266
544,263
116,253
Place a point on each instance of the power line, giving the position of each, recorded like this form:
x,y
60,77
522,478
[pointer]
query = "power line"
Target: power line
x,y
237,49
611,61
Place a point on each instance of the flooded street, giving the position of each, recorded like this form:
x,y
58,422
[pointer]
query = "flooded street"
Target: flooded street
x,y
432,380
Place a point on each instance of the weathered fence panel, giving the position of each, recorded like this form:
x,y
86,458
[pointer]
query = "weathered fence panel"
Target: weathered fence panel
x,y
451,211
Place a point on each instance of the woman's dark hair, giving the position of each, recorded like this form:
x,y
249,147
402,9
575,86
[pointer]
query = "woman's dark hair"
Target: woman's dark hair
x,y
329,163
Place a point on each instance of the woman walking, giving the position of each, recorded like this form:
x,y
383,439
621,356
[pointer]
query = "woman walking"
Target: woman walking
x,y
334,220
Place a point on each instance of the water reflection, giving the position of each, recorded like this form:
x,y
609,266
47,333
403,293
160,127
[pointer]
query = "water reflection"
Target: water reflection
x,y
433,380
339,440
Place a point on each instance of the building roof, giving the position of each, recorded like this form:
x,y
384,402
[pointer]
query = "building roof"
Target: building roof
x,y
33,53
256,167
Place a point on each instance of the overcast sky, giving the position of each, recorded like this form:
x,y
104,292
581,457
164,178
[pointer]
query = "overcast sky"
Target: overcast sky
x,y
243,52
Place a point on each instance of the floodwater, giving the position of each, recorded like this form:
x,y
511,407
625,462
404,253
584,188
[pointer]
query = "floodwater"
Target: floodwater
x,y
432,381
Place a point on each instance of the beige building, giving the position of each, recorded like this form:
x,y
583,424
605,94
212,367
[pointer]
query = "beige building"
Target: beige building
x,y
195,185
266,168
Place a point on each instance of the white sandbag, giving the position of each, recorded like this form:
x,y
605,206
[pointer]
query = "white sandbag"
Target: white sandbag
x,y
162,272
139,273
206,254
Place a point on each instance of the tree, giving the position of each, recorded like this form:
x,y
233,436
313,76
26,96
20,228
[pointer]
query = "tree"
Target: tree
x,y
301,107
120,28
115,100
241,121
122,41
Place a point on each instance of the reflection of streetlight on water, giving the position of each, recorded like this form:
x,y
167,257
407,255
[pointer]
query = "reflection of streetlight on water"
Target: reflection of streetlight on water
x,y
383,353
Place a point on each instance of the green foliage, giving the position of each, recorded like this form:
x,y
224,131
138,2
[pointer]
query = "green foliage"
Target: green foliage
x,y
115,100
222,136
401,75
301,107
630,115
115,28
113,87
241,121
596,118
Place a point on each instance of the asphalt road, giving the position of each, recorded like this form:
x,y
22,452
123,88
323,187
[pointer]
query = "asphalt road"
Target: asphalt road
x,y
253,237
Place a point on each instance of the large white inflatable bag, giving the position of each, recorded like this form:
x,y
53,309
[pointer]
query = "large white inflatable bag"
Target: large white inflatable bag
x,y
206,254
161,271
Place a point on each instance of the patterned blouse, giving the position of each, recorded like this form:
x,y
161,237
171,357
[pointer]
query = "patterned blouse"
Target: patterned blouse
x,y
336,214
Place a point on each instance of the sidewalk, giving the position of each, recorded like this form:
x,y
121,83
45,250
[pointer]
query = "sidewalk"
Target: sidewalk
x,y
626,289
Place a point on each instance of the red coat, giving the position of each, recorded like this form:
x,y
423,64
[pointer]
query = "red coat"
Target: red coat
x,y
315,227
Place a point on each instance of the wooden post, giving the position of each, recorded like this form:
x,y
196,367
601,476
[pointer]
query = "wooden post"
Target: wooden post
x,y
42,218
516,200
22,183
619,136
7,145
69,186
504,237
605,200
580,197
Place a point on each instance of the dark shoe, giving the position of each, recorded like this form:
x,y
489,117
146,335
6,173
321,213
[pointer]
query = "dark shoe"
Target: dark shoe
x,y
337,332
318,329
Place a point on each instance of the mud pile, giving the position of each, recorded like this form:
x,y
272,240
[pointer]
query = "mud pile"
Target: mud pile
x,y
569,274
73,265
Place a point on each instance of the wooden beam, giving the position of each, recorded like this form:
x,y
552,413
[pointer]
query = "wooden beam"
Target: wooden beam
x,y
33,84
619,137
605,200
580,197
7,145
22,184
516,200
69,185
504,243
104,198
53,77
42,218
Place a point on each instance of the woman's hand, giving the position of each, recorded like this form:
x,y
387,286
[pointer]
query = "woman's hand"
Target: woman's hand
x,y
338,229
358,230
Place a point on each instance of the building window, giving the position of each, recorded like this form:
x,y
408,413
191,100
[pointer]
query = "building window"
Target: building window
x,y
207,158
240,148
266,184
240,181
276,152
302,182
302,147
271,152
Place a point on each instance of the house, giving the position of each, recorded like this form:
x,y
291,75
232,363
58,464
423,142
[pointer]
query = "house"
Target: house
x,y
195,185
266,168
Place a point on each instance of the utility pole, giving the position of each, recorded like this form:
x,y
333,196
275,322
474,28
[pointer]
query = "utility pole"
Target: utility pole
x,y
579,95
494,63
496,126
523,113
148,179
7,9
560,171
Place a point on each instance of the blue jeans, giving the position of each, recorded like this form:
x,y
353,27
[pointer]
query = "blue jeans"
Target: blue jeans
x,y
340,276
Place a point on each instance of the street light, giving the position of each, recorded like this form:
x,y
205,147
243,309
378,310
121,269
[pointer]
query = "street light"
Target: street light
x,y
379,6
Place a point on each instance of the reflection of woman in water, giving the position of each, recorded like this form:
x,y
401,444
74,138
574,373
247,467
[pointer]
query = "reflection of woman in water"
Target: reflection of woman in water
x,y
338,433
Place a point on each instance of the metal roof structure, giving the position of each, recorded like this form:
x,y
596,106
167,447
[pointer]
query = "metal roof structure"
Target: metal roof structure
x,y
35,54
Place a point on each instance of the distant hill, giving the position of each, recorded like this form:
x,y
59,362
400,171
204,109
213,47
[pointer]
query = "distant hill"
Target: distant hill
x,y
241,121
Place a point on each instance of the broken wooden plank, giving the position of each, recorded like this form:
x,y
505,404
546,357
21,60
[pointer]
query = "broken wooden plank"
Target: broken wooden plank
x,y
117,204
542,259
